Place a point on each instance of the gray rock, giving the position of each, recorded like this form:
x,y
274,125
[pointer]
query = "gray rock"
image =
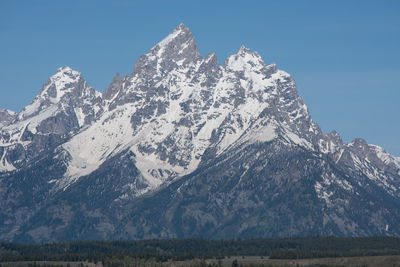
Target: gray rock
x,y
187,148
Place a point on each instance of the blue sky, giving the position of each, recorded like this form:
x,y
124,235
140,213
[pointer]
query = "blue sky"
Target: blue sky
x,y
344,55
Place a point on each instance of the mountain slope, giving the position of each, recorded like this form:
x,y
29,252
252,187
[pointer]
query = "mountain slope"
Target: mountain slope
x,y
272,189
65,105
185,147
176,105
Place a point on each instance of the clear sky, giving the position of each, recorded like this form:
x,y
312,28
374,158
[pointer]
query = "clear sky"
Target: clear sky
x,y
344,55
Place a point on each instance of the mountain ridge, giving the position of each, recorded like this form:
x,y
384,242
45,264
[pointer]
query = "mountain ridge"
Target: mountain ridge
x,y
178,115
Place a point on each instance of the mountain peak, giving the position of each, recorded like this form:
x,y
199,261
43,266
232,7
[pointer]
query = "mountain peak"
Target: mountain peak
x,y
113,88
246,52
65,81
185,134
244,59
179,36
243,50
177,49
66,73
64,69
182,29
59,82
181,26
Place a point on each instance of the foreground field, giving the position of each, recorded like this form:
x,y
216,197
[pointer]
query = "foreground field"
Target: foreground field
x,y
307,251
370,261
367,261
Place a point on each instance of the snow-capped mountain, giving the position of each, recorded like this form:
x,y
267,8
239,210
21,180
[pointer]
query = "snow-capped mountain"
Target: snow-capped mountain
x,y
65,105
186,147
176,105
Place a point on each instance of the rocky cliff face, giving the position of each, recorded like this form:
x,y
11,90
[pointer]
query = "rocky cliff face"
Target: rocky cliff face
x,y
185,147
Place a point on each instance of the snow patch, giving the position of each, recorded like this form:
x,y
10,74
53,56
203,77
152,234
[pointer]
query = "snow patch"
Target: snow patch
x,y
323,194
90,148
262,134
5,166
297,139
80,116
385,157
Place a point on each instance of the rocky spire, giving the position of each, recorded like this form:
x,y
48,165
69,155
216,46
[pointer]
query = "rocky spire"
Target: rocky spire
x,y
177,49
64,82
113,88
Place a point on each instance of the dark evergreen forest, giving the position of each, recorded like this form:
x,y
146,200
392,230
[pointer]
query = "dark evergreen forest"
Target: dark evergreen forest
x,y
186,249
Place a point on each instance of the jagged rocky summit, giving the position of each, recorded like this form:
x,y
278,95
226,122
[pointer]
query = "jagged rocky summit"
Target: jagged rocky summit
x,y
184,147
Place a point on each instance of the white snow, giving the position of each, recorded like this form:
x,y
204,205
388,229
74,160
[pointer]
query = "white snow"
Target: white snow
x,y
243,61
80,116
10,112
90,148
163,43
5,166
356,160
59,81
297,139
327,146
98,144
17,129
30,109
112,133
385,157
170,37
261,134
323,193
252,65
374,174
340,156
323,188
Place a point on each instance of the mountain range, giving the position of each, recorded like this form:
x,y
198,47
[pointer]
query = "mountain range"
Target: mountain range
x,y
185,147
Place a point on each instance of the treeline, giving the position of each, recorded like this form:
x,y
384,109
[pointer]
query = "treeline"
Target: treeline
x,y
188,249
